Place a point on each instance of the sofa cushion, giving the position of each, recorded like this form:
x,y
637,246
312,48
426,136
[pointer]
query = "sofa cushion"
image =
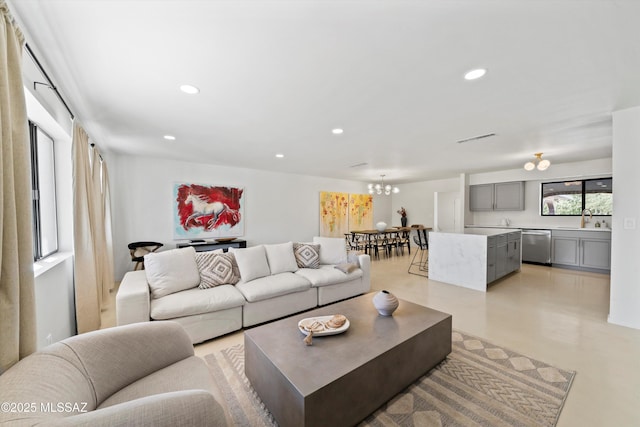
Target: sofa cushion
x,y
327,275
252,262
307,255
281,258
196,301
273,286
171,271
217,269
187,374
332,250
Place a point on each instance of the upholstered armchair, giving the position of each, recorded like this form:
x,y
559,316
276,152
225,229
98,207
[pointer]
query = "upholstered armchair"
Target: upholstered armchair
x,y
144,374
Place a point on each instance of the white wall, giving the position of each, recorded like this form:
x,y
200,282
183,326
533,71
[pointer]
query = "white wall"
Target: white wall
x,y
55,300
418,199
382,206
530,217
624,306
279,207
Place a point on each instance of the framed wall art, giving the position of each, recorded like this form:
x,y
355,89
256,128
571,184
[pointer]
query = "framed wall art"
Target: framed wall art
x,y
207,211
360,212
334,219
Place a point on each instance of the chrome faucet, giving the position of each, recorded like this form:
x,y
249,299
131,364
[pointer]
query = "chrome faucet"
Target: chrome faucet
x,y
582,221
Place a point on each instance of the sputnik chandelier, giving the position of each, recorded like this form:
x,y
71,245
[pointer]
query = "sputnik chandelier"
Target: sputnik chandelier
x,y
381,187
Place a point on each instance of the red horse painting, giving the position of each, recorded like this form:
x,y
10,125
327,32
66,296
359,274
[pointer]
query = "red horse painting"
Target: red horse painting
x,y
202,209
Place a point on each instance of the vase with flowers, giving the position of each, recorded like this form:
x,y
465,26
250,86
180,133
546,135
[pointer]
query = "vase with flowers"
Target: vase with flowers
x,y
403,216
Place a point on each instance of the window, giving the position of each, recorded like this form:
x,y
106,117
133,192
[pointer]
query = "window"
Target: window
x,y
43,184
570,198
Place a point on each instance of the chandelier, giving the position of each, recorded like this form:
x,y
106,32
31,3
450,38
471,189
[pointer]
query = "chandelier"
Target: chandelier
x,y
538,163
381,187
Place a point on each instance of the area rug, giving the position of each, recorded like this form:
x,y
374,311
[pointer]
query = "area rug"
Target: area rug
x,y
478,384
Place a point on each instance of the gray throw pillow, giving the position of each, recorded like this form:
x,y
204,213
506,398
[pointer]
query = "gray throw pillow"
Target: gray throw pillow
x,y
217,269
307,255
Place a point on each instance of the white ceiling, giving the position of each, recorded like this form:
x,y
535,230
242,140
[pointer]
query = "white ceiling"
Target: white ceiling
x,y
277,76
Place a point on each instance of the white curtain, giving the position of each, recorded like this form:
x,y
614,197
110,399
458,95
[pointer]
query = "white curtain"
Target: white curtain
x,y
93,246
17,293
103,239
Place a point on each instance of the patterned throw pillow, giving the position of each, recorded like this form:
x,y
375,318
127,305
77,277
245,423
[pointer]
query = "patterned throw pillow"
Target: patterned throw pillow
x,y
307,255
217,269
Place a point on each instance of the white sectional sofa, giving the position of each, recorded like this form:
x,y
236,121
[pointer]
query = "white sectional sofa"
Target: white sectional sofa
x,y
212,293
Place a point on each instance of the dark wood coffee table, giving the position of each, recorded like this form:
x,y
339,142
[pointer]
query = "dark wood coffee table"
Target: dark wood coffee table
x,y
341,379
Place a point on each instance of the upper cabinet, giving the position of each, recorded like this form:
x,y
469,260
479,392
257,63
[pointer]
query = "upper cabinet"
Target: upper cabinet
x,y
481,197
503,196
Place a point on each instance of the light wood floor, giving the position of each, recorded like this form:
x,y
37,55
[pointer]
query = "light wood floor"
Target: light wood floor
x,y
555,315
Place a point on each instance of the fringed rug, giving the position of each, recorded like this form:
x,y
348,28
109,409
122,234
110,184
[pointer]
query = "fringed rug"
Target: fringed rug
x,y
478,384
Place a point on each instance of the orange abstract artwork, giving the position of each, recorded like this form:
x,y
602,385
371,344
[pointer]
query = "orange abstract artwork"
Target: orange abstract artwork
x,y
334,219
360,212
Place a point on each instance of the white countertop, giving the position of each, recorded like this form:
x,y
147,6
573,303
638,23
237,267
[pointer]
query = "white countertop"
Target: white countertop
x,y
513,227
489,231
480,231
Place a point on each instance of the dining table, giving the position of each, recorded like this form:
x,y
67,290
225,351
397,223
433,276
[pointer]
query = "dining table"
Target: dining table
x,y
369,237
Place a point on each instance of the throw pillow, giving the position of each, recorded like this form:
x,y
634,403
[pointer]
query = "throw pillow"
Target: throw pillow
x,y
307,255
347,268
332,250
171,271
217,269
252,262
281,258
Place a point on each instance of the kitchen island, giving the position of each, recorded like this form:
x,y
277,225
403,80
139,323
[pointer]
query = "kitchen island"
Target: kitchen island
x,y
475,258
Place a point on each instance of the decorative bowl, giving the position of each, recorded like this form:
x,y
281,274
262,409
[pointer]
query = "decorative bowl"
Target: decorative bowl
x,y
381,226
225,239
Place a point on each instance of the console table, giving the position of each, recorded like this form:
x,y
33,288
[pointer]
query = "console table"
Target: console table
x,y
210,245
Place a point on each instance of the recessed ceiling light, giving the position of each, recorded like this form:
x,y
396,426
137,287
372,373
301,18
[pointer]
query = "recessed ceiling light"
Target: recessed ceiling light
x,y
279,155
475,74
191,90
337,131
170,137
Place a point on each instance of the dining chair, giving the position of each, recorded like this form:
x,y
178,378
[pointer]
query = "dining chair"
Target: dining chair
x,y
403,239
381,243
354,242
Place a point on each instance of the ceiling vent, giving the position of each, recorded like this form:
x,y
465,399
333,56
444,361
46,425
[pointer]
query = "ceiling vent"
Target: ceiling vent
x,y
357,165
476,138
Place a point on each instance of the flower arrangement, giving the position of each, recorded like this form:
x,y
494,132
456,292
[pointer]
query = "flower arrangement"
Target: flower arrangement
x,y
403,213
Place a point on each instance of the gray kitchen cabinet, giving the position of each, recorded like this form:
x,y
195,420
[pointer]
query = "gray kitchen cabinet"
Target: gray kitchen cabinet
x,y
503,254
564,250
514,251
491,260
503,196
509,196
583,250
596,253
481,197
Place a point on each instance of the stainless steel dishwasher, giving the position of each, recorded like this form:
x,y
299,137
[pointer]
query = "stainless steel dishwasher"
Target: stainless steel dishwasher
x,y
536,246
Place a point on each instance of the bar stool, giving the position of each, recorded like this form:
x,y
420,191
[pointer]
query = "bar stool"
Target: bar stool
x,y
423,249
